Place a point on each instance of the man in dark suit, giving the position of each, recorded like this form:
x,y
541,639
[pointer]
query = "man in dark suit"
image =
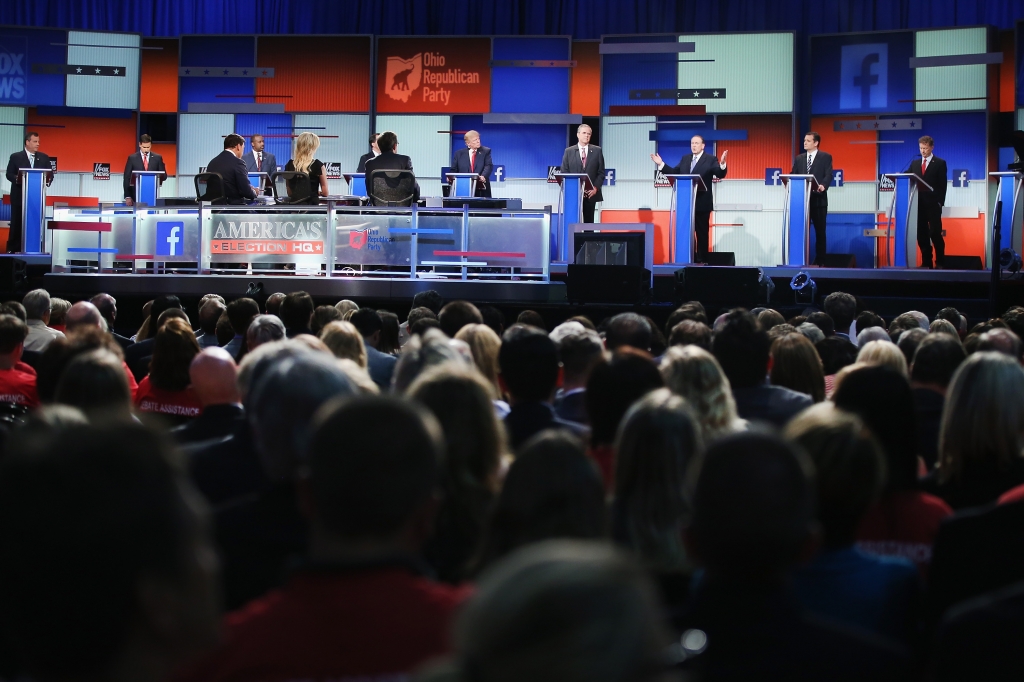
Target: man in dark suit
x,y
474,159
819,164
586,158
229,164
929,204
259,161
372,154
389,159
707,167
144,160
29,157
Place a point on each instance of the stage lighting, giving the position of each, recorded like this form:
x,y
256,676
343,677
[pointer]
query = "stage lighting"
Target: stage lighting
x,y
766,286
804,288
1009,261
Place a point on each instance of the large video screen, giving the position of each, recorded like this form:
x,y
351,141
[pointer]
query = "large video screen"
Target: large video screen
x,y
32,67
738,73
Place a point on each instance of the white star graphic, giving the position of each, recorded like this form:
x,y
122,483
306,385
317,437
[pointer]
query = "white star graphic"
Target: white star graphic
x,y
716,93
117,71
97,70
78,70
696,93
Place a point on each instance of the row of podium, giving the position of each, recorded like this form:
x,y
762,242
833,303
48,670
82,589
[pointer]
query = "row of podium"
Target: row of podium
x,y
900,226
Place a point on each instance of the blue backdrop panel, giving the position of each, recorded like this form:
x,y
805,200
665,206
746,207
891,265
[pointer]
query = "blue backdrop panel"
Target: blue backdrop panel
x,y
526,151
268,124
621,73
959,139
860,74
532,90
845,234
672,151
18,85
216,51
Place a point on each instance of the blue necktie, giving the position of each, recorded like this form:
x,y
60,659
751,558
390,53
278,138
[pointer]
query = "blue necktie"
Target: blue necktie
x,y
693,164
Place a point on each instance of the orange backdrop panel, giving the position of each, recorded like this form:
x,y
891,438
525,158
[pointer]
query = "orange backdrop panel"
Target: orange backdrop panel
x,y
768,145
320,74
84,141
585,87
645,215
859,162
964,237
159,91
411,77
170,154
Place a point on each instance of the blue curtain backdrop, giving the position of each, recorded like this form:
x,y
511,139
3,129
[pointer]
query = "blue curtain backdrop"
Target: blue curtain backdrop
x,y
579,18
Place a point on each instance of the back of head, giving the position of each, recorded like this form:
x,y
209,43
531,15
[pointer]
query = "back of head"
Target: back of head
x,y
835,353
742,348
344,341
428,299
908,342
83,314
493,318
552,490
869,334
387,141
811,332
1001,341
485,345
456,315
691,333
273,304
579,353
692,310
345,305
107,306
173,349
901,324
209,313
323,315
296,311
96,383
940,326
240,312
162,303
628,329
264,329
615,385
842,308
37,304
796,365
770,318
369,489
12,333
367,321
884,353
421,353
531,318
936,359
753,508
1014,319
417,314
119,517
849,468
881,397
868,319
528,360
824,322
214,377
694,374
389,331
14,308
562,610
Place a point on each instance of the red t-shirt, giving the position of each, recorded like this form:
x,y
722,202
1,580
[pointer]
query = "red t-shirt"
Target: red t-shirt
x,y
371,624
903,524
132,384
18,385
184,403
1012,495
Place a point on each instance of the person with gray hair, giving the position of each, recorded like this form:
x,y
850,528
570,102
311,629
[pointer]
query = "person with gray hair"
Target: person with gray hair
x,y
263,329
866,336
37,317
422,352
811,331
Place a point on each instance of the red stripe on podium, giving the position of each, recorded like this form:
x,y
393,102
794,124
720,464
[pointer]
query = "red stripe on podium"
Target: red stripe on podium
x,y
79,226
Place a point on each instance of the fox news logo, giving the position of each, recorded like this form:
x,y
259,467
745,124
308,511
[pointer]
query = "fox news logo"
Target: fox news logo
x,y
886,184
961,177
773,176
168,238
551,173
13,64
864,76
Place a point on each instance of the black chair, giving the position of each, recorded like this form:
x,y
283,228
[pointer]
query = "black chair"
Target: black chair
x,y
292,187
210,187
391,187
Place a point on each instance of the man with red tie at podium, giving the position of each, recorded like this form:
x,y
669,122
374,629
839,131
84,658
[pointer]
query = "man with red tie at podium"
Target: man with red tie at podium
x,y
143,160
586,158
475,159
707,167
933,171
29,157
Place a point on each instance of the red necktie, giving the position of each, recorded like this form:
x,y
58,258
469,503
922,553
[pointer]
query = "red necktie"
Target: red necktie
x,y
472,160
924,165
145,161
259,161
584,158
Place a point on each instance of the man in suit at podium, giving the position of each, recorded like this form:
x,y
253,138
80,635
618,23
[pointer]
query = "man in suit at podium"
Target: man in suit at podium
x,y
229,164
708,167
144,160
372,154
586,158
259,161
474,158
819,164
29,157
929,204
389,159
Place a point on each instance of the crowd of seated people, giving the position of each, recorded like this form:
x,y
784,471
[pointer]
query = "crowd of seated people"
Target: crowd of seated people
x,y
288,491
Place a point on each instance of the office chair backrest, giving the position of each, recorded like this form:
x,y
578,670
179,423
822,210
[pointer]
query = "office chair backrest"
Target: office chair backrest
x,y
210,187
291,187
391,187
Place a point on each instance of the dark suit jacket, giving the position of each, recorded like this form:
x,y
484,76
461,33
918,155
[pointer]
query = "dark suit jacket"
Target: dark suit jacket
x,y
20,160
134,163
237,189
269,162
390,161
707,168
773,404
821,169
361,168
572,163
483,166
935,175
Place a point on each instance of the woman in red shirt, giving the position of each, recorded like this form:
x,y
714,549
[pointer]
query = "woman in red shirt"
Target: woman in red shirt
x,y
166,389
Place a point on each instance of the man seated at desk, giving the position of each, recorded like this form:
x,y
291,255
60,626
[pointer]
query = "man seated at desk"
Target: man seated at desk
x,y
389,159
231,168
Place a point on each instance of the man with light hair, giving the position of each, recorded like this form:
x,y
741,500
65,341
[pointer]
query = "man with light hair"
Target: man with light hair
x,y
37,314
263,329
474,158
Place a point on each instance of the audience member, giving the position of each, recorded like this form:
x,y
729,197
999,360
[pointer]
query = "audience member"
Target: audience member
x,y
883,353
431,300
867,319
389,330
345,305
694,374
903,323
424,351
796,365
456,315
691,310
37,316
870,334
1001,341
824,322
107,305
935,361
811,332
240,312
485,345
209,313
980,639
959,322
166,390
96,384
780,330
659,344
842,308
493,318
909,341
17,380
579,353
273,304
214,381
769,318
628,329
939,326
263,329
58,313
136,355
225,334
381,366
532,318
14,308
835,353
322,316
62,351
296,313
691,333
345,342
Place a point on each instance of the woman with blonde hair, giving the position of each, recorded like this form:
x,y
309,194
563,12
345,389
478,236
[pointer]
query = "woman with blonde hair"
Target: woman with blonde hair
x,y
304,161
484,344
694,374
884,353
797,366
345,341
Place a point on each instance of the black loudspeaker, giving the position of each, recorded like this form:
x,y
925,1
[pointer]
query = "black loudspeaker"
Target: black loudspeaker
x,y
721,258
730,287
962,263
840,260
13,271
607,284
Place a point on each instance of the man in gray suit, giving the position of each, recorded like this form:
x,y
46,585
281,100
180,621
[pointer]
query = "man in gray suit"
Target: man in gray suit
x,y
259,161
586,158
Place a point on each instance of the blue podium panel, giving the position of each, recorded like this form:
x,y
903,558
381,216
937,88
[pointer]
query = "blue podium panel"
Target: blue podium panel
x,y
1009,194
684,199
33,188
798,218
356,184
904,217
463,184
147,187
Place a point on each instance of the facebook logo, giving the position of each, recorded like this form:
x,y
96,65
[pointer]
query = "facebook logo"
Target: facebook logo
x,y
837,178
773,176
169,237
498,174
961,178
609,176
864,76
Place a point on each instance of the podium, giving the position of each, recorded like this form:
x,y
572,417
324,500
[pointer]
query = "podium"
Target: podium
x,y
903,213
356,184
681,215
258,179
463,185
147,186
570,206
1008,192
796,220
33,209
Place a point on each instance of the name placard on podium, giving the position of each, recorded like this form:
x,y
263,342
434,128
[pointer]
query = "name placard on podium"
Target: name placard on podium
x,y
571,188
681,215
356,183
903,215
147,186
796,227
